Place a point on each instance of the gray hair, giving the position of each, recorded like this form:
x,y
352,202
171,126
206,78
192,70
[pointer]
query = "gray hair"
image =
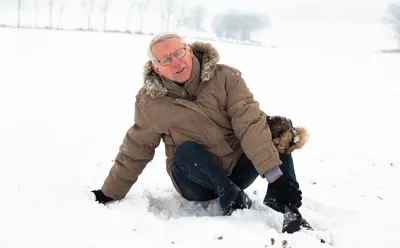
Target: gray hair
x,y
162,37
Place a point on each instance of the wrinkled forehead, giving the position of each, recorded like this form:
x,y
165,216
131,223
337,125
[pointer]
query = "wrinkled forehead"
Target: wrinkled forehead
x,y
167,47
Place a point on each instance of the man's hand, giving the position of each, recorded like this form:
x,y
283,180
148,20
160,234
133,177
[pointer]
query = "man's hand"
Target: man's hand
x,y
287,193
101,197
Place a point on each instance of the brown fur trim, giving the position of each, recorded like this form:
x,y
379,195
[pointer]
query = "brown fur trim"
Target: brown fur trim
x,y
300,139
152,85
210,59
152,82
286,143
282,143
278,125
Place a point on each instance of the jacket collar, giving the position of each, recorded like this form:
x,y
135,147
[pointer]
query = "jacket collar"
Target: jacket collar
x,y
191,85
207,56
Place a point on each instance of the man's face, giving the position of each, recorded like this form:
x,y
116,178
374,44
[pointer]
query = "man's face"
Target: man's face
x,y
174,60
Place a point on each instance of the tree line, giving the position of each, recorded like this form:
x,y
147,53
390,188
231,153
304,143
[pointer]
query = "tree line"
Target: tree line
x,y
172,15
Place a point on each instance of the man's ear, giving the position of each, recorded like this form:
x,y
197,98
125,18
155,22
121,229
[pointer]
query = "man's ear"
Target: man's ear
x,y
156,69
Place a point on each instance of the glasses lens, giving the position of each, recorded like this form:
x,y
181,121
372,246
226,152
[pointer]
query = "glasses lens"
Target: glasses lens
x,y
180,53
166,60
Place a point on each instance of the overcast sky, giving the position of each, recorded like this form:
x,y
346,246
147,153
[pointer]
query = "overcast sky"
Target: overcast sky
x,y
366,7
308,19
296,12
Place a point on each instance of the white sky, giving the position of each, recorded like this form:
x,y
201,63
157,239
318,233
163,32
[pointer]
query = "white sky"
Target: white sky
x,y
271,5
354,8
279,11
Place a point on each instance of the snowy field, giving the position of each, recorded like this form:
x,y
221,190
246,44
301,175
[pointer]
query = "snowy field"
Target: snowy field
x,y
67,98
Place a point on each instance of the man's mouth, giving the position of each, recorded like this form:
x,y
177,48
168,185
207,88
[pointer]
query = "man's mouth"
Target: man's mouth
x,y
180,70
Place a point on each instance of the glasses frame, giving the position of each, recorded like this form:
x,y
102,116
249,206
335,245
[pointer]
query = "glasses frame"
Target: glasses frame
x,y
173,54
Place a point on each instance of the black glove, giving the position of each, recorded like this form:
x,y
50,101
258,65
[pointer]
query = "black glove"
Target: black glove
x,y
287,193
101,197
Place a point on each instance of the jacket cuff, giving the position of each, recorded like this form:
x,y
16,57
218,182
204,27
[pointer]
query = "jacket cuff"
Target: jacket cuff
x,y
272,173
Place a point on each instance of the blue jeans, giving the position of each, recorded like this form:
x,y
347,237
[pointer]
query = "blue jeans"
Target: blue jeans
x,y
200,178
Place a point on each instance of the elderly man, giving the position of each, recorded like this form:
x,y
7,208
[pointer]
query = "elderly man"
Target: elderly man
x,y
217,140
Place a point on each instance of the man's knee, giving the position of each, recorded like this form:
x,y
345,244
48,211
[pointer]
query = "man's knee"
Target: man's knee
x,y
188,147
187,153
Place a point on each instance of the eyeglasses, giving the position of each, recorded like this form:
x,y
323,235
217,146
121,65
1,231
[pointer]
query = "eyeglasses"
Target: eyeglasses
x,y
180,53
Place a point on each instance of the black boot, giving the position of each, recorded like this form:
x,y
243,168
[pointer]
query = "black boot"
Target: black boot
x,y
293,221
242,201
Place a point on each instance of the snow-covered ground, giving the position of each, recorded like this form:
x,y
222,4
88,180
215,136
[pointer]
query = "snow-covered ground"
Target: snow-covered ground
x,y
67,98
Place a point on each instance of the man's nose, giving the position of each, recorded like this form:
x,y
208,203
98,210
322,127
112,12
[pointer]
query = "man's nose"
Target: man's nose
x,y
175,61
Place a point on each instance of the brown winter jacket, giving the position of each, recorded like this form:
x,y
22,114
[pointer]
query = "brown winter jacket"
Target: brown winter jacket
x,y
214,108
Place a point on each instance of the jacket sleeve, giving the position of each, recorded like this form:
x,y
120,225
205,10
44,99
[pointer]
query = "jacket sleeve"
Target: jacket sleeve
x,y
137,150
249,124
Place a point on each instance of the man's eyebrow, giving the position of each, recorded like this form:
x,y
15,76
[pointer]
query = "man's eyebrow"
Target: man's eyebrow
x,y
173,51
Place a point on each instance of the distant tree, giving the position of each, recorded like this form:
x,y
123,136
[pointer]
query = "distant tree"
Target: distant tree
x,y
393,19
60,14
51,2
36,13
181,15
19,13
238,26
194,18
170,14
128,18
198,14
168,10
106,4
142,6
88,6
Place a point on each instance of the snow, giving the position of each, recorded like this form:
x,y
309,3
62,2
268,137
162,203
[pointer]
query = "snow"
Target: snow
x,y
67,99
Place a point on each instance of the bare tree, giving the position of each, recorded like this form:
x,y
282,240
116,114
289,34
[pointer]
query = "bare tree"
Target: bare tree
x,y
169,15
198,14
36,13
105,11
181,16
143,5
166,14
128,18
162,20
393,19
60,14
194,18
88,6
19,13
51,2
237,26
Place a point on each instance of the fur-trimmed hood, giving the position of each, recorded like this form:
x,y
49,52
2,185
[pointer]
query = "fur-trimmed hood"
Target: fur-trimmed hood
x,y
206,54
